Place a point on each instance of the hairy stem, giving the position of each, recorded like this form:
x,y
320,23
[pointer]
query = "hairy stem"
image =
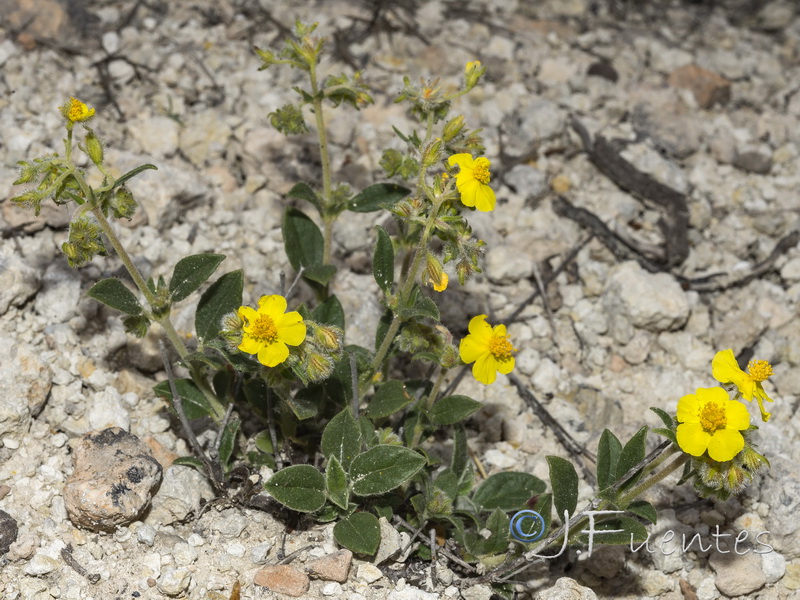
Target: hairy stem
x,y
327,186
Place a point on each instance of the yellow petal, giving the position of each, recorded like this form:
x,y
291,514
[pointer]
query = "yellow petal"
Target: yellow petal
x,y
468,187
249,345
273,306
485,369
725,369
480,328
470,349
506,366
692,439
736,415
248,314
689,409
273,354
484,198
725,444
463,160
292,334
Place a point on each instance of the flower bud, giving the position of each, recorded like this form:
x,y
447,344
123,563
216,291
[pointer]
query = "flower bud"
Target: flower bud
x,y
452,128
123,204
434,273
318,367
430,155
329,337
472,73
94,148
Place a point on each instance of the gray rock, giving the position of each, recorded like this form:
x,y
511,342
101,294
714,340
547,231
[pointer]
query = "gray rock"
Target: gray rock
x,y
540,120
60,295
174,581
41,564
654,302
333,567
773,565
107,410
677,134
753,161
18,281
112,479
158,136
607,561
737,574
179,494
390,542
780,490
25,382
259,553
8,531
529,182
567,589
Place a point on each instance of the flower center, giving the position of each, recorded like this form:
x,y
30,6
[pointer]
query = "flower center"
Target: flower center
x,y
264,329
712,417
759,369
481,171
501,347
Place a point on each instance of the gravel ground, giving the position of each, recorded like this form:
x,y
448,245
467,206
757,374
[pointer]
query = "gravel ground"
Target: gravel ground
x,y
703,96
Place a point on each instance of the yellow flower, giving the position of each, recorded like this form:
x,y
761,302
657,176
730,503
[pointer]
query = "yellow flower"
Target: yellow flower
x,y
76,111
441,285
490,350
268,330
711,421
472,181
725,369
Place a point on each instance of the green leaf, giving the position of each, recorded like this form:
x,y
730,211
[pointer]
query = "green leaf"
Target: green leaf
x,y
664,416
448,483
378,196
667,433
608,450
383,260
191,461
320,273
453,409
383,327
222,297
564,481
303,191
342,438
299,487
133,173
421,306
632,454
336,483
305,403
617,538
191,272
507,491
644,509
389,398
383,468
195,405
360,533
498,524
263,441
330,312
460,458
137,326
115,294
228,441
302,239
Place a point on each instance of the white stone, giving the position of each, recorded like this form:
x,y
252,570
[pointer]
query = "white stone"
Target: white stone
x,y
158,135
774,566
369,573
41,564
174,581
110,41
331,589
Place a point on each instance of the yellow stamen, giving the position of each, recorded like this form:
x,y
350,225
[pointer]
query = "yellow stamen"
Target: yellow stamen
x,y
501,347
481,171
759,369
712,417
264,330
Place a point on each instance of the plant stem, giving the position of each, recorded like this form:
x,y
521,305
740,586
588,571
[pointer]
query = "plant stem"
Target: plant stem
x,y
654,479
327,186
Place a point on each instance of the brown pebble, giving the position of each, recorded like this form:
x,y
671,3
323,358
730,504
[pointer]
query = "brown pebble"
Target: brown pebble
x,y
333,567
283,579
707,87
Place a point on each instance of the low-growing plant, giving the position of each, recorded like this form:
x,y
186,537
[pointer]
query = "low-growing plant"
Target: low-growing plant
x,y
351,409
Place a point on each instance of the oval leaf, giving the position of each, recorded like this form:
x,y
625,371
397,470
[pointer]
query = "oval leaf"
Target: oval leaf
x,y
115,294
195,404
302,239
564,481
360,533
378,196
389,398
608,450
299,487
383,260
632,453
222,297
303,191
336,483
191,272
342,438
383,468
453,409
508,491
